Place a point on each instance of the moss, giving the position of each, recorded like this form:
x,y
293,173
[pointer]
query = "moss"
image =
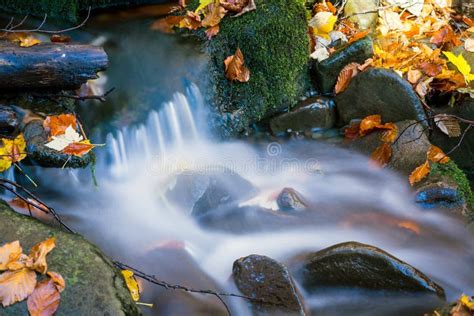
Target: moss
x,y
274,42
452,170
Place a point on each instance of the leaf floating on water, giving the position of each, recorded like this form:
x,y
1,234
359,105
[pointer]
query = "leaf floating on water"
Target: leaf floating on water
x,y
44,301
15,286
420,173
436,154
39,252
235,69
369,123
78,149
132,284
9,252
448,125
381,156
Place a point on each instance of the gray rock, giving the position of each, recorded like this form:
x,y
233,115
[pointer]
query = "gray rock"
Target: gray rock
x,y
263,278
312,113
356,265
93,285
408,152
9,122
289,200
379,91
353,9
325,73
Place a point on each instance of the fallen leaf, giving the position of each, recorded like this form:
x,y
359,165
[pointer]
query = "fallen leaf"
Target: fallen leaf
x,y
29,41
235,69
58,280
415,7
39,252
461,64
436,154
469,45
60,38
60,142
8,253
323,23
391,133
44,301
381,155
352,131
202,5
166,25
248,8
448,125
214,15
345,77
15,286
78,149
12,151
369,123
190,21
358,36
212,31
132,284
467,301
58,124
431,69
413,76
420,173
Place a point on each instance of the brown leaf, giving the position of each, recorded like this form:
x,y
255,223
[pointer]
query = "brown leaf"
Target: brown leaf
x,y
391,133
369,123
60,38
431,69
345,77
191,21
212,31
213,15
166,25
436,154
381,155
15,286
235,69
445,35
448,125
352,131
58,280
59,123
413,76
235,6
9,252
44,301
249,7
358,36
78,149
420,173
39,252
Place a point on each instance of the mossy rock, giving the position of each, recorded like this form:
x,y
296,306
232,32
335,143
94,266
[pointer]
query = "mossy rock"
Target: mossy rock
x,y
93,285
273,39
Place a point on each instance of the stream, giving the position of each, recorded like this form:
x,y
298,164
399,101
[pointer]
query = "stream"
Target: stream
x,y
154,128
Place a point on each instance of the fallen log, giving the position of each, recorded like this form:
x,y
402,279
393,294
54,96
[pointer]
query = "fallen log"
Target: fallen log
x,y
49,65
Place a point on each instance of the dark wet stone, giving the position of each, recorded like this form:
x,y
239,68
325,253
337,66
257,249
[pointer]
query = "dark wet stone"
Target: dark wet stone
x,y
312,113
325,73
356,265
36,138
408,152
9,122
289,200
93,285
379,91
264,278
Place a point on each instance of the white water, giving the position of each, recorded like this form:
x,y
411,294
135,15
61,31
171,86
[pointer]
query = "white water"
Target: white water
x,y
129,216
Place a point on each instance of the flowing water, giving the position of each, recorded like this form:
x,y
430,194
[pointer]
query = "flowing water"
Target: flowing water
x,y
131,217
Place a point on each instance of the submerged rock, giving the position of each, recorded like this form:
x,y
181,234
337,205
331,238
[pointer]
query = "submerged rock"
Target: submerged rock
x,y
9,122
93,285
325,73
289,200
312,113
354,8
379,91
356,265
263,278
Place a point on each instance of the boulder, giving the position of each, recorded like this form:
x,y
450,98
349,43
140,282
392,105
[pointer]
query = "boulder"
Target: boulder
x,y
356,265
312,113
324,74
408,152
265,279
379,91
93,285
353,9
290,200
274,42
9,122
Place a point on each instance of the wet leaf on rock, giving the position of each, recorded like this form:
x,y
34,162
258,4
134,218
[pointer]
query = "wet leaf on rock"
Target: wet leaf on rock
x,y
132,284
9,252
235,69
345,77
78,149
44,301
420,173
436,154
381,156
448,125
17,285
369,123
39,252
58,124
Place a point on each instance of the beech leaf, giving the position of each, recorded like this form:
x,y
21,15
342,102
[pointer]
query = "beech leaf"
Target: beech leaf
x,y
420,173
58,280
44,301
15,286
345,77
132,284
436,154
39,252
78,149
235,69
381,156
448,125
369,123
9,252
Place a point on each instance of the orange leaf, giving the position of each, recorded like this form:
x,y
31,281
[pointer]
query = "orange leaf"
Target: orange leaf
x,y
78,149
381,156
212,31
213,16
39,252
235,69
58,280
358,36
391,133
345,77
369,123
420,173
59,123
8,253
191,21
60,38
436,154
44,301
352,131
15,286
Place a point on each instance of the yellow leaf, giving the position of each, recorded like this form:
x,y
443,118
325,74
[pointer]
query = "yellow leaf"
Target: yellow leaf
x,y
132,284
203,4
38,254
323,23
461,64
466,301
15,286
12,151
29,41
8,253
436,154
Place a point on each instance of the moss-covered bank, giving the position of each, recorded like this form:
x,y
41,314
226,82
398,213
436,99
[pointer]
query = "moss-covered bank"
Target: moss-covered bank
x,y
274,41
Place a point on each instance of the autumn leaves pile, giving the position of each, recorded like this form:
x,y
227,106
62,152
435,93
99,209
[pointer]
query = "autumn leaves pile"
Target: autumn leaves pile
x,y
19,278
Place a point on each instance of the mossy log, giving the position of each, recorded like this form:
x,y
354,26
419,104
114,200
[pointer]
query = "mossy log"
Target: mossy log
x,y
49,65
